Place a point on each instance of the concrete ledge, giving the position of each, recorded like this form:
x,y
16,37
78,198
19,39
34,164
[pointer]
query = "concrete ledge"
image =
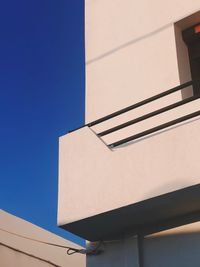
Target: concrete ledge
x,y
149,216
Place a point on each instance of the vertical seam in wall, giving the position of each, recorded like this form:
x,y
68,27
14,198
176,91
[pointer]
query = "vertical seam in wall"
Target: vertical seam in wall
x,y
140,239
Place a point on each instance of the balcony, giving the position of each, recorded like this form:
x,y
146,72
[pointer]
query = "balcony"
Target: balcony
x,y
134,171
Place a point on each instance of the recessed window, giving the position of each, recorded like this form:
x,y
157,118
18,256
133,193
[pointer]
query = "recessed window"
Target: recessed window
x,y
187,33
191,37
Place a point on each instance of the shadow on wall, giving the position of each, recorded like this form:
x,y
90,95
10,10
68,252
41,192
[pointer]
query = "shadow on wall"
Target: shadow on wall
x,y
174,250
131,42
144,218
154,134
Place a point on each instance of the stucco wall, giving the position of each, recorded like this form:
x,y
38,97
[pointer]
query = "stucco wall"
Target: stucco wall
x,y
94,179
18,251
13,258
131,51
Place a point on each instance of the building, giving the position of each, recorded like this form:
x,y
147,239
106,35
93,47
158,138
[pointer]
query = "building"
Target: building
x,y
129,180
18,245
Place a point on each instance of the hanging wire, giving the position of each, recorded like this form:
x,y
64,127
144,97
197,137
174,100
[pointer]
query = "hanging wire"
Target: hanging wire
x,y
73,250
94,248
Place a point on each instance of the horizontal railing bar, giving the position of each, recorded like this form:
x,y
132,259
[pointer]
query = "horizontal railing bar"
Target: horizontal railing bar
x,y
147,116
154,129
141,103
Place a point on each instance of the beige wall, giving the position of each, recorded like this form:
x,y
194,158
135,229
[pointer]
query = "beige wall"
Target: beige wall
x,y
97,179
13,258
17,251
131,51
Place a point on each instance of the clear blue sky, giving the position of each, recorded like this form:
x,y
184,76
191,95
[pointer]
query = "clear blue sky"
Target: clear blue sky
x,y
41,98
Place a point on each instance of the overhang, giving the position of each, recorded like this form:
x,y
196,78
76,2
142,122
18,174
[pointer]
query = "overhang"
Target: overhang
x,y
149,216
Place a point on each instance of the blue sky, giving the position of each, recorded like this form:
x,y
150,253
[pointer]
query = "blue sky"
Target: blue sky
x,y
41,98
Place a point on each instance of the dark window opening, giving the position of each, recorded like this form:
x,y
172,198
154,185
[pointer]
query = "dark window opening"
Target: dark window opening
x,y
191,37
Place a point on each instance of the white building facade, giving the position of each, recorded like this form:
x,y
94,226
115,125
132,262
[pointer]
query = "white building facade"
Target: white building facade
x,y
130,178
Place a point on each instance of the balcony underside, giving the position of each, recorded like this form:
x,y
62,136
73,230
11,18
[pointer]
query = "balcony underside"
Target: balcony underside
x,y
159,213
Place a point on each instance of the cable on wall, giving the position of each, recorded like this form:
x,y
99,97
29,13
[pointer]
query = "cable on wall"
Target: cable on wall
x,y
70,250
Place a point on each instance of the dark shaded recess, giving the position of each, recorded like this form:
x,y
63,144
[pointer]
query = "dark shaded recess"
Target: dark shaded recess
x,y
192,40
149,216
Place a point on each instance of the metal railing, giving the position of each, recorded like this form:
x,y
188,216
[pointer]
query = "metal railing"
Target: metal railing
x,y
195,84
